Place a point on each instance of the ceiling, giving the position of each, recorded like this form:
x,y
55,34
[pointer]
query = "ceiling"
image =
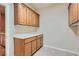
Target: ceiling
x,y
39,6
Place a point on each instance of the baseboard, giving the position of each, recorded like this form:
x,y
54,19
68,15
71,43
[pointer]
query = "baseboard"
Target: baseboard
x,y
65,50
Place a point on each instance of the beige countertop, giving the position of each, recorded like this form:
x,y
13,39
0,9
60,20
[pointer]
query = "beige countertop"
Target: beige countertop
x,y
26,35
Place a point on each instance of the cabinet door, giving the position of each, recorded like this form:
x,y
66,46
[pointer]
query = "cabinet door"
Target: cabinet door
x,y
70,14
41,41
2,45
78,11
15,14
32,18
2,39
36,20
2,19
33,46
21,13
2,51
28,17
19,48
74,12
24,14
28,49
38,43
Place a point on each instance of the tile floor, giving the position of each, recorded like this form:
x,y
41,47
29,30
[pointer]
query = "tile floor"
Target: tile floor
x,y
45,51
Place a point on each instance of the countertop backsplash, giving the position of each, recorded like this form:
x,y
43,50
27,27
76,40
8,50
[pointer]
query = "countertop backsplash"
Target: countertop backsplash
x,y
18,29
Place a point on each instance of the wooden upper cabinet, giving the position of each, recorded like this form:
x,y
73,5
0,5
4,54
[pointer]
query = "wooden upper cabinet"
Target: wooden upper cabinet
x,y
25,15
15,14
37,21
2,19
22,14
33,18
28,16
73,13
70,14
78,11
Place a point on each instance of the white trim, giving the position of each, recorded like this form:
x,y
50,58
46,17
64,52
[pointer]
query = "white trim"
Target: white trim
x,y
65,50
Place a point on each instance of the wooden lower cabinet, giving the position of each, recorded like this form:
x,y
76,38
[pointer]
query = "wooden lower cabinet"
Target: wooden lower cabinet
x,y
2,44
28,49
28,46
33,46
41,42
19,47
2,39
38,43
2,51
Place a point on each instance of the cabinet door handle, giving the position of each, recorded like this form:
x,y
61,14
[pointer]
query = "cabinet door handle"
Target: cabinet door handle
x,y
2,45
2,14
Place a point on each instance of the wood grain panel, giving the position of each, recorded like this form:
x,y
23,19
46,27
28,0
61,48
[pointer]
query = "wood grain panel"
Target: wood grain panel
x,y
2,51
19,47
33,46
20,14
29,22
41,42
74,12
38,43
2,39
78,11
2,19
28,49
25,16
15,13
2,30
70,14
29,39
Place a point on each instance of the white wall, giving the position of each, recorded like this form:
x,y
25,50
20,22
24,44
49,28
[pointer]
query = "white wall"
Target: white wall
x,y
9,29
54,26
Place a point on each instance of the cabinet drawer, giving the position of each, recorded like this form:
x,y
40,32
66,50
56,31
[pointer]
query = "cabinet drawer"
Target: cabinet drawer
x,y
29,39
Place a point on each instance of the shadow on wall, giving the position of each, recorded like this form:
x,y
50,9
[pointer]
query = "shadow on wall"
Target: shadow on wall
x,y
75,29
